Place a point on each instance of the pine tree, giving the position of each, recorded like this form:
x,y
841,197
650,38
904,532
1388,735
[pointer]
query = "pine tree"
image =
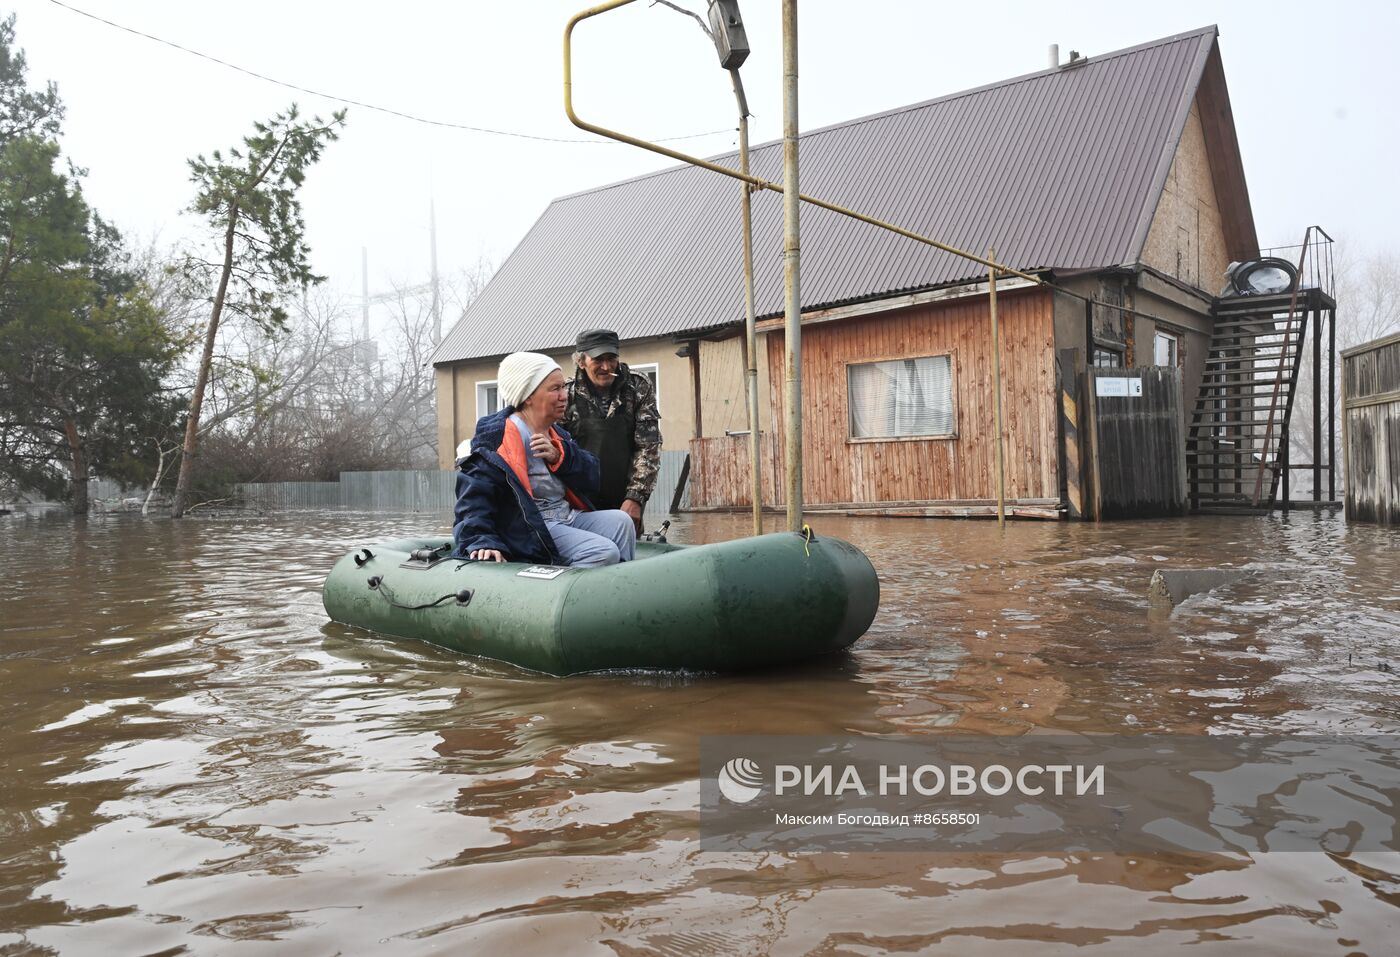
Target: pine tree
x,y
251,200
82,351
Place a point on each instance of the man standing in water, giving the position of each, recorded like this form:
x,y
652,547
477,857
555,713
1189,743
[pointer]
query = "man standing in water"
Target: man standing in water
x,y
612,413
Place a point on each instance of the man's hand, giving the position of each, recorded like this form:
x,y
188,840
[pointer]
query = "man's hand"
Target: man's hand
x,y
634,511
486,555
543,448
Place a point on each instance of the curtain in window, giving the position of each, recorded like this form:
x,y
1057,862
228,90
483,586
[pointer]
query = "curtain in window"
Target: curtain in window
x,y
901,397
1107,358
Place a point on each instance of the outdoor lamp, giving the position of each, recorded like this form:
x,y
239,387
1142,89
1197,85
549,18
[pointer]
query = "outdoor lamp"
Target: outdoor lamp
x,y
727,27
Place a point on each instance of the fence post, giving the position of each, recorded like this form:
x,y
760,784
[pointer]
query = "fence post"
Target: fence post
x,y
1068,374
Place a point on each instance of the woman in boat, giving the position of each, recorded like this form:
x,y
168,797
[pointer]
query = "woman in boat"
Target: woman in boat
x,y
522,492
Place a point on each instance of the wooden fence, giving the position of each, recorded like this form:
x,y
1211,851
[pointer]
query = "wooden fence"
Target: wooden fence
x,y
417,490
1371,431
720,475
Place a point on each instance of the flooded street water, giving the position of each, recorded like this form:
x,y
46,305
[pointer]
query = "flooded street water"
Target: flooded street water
x,y
196,761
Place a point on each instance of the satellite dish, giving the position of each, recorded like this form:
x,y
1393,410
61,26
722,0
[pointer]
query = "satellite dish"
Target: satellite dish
x,y
1260,277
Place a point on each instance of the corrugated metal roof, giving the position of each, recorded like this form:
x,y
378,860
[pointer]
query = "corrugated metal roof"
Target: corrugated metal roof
x,y
1057,169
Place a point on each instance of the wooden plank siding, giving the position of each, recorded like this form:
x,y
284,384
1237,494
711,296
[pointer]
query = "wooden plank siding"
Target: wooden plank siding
x,y
840,471
719,472
1371,431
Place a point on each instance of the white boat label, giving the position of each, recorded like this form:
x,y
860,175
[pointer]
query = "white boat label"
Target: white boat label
x,y
541,571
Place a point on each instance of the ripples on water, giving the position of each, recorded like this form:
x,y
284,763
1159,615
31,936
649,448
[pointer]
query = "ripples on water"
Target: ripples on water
x,y
195,761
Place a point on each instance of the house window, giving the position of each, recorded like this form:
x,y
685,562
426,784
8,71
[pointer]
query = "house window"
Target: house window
x,y
1107,358
488,399
901,397
1164,349
653,372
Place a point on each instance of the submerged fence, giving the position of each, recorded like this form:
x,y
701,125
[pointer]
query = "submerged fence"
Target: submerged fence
x,y
103,489
422,490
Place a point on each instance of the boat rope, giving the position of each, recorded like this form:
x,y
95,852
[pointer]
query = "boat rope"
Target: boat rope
x,y
806,538
376,583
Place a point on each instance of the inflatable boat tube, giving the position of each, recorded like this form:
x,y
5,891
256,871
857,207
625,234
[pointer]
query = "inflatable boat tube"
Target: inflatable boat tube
x,y
730,606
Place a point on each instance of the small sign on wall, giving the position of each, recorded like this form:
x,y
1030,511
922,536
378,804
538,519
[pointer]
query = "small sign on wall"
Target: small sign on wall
x,y
1130,387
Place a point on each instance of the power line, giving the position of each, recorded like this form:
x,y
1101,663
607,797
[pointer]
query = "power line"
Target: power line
x,y
359,103
482,129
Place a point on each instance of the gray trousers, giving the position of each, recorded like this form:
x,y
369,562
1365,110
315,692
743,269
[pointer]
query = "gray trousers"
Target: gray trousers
x,y
594,539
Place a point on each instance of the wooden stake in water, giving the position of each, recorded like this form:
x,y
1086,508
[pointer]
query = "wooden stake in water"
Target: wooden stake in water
x,y
996,387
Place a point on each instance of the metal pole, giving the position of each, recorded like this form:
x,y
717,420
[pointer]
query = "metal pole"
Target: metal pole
x,y
1332,405
1317,402
752,180
996,387
792,261
750,331
761,184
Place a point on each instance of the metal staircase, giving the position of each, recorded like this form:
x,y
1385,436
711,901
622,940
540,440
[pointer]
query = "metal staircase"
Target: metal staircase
x,y
1237,446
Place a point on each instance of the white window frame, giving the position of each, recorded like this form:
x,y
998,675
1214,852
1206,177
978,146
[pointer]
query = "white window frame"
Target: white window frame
x,y
481,388
930,437
655,369
1174,340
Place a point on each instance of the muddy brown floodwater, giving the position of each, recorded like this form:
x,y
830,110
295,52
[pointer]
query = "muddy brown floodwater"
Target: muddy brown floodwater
x,y
194,760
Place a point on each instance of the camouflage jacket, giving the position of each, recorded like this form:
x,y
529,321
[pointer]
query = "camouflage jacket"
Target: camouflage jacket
x,y
627,410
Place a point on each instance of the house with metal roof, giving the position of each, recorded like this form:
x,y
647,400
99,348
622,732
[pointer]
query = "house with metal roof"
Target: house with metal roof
x,y
1117,176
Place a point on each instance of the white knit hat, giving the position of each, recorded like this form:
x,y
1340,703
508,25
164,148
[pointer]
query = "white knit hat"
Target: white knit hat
x,y
520,374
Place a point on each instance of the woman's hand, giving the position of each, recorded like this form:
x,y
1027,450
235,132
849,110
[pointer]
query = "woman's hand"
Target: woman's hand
x,y
486,555
543,448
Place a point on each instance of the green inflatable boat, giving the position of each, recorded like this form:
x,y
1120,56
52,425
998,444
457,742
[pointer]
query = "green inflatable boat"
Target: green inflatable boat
x,y
730,606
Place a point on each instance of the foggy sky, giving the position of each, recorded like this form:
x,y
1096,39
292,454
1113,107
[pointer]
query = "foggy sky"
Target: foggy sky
x,y
1312,87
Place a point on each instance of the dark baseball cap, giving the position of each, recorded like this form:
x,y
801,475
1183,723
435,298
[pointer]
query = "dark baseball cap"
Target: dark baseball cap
x,y
598,342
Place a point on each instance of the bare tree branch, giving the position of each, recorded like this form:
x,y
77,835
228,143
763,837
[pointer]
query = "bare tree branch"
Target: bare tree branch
x,y
690,13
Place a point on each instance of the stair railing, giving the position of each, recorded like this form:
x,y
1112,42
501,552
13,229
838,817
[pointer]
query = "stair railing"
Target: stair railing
x,y
1278,383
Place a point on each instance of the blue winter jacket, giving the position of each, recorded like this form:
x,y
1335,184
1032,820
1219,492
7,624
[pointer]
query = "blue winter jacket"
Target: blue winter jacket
x,y
495,509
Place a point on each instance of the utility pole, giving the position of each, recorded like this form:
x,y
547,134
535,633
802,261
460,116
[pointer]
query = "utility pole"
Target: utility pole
x,y
432,247
364,353
996,388
750,329
792,261
364,292
732,43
